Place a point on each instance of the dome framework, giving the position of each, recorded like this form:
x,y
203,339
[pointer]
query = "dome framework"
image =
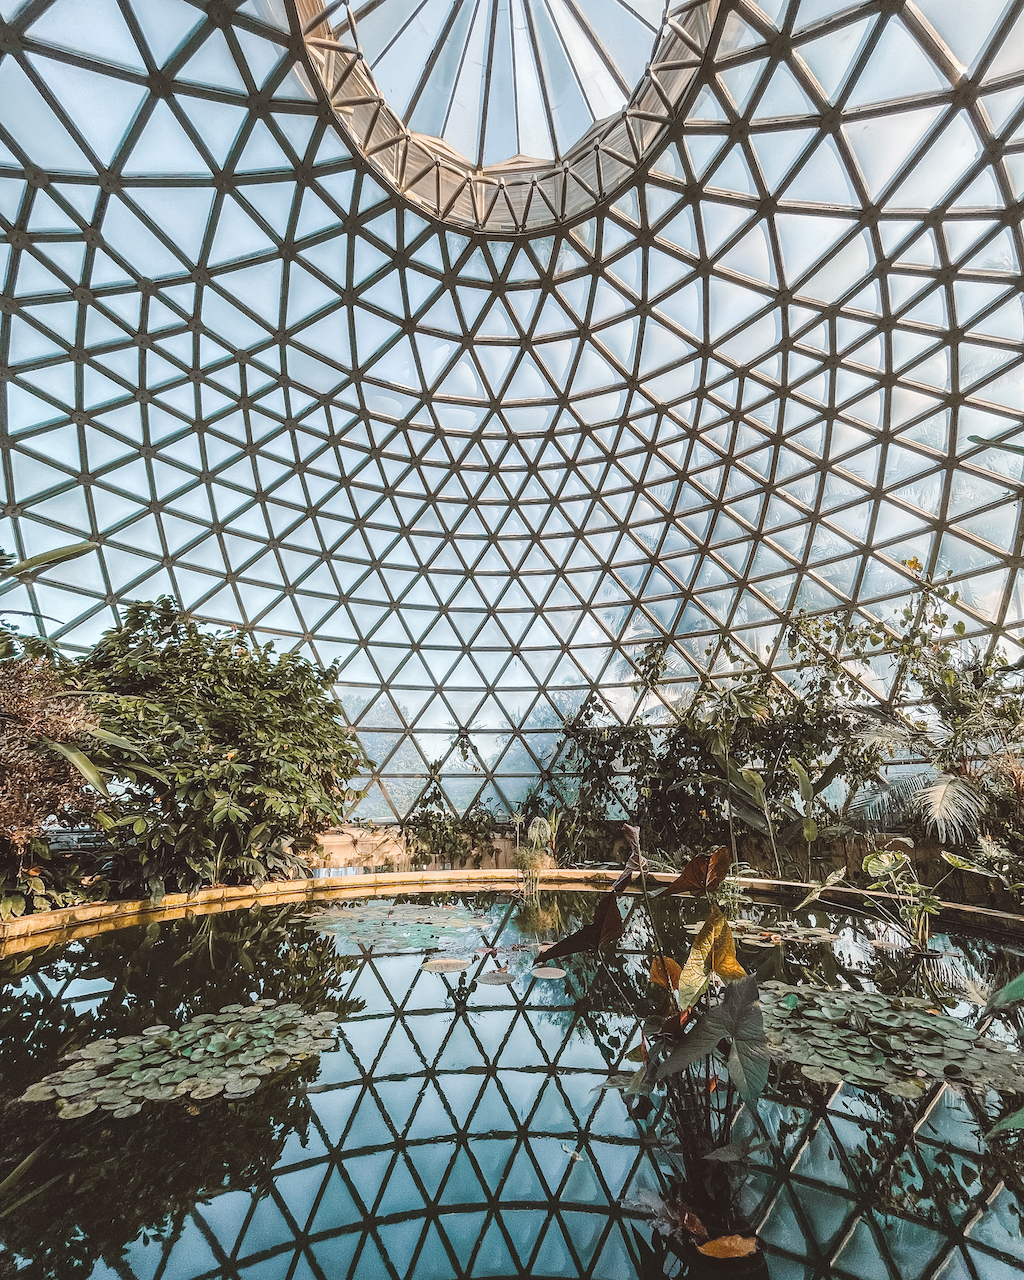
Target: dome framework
x,y
485,470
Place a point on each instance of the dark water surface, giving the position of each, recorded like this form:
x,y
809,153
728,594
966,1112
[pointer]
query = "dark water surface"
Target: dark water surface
x,y
456,1130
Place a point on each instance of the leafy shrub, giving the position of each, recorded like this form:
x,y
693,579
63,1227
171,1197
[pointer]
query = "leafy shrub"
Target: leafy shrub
x,y
40,733
224,753
435,831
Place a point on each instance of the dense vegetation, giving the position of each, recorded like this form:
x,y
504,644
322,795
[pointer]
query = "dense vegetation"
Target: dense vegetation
x,y
226,754
794,774
200,756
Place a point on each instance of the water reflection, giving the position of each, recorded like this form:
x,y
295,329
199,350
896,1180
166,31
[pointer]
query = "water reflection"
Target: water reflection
x,y
458,1131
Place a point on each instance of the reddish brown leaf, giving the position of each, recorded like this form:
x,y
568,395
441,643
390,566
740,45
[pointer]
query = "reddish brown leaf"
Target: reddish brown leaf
x,y
693,1224
605,928
729,1247
607,920
702,874
665,972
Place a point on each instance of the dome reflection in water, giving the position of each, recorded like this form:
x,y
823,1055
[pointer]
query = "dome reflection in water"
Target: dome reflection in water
x,y
460,1128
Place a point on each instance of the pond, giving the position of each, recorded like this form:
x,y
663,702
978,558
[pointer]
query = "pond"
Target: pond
x,y
289,1094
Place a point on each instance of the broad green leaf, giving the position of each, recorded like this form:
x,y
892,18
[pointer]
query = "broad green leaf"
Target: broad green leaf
x,y
833,878
962,864
737,1019
115,740
878,865
82,763
55,556
1014,1121
804,781
1010,994
810,830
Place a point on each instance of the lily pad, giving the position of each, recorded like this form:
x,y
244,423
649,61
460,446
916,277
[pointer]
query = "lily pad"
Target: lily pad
x,y
450,965
822,1075
39,1093
497,977
75,1110
548,972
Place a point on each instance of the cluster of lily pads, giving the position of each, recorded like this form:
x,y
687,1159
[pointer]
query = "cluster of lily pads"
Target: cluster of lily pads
x,y
229,1053
901,1045
398,926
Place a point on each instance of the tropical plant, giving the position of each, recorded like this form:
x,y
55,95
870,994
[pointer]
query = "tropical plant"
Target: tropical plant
x,y
46,778
227,757
724,764
435,831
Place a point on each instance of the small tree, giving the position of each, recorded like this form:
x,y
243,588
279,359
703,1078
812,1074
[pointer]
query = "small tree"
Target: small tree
x,y
225,753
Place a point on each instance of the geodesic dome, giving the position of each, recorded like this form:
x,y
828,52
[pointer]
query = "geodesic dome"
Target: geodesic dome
x,y
479,346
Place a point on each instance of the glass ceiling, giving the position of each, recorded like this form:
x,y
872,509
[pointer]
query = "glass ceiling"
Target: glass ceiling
x,y
484,470
502,79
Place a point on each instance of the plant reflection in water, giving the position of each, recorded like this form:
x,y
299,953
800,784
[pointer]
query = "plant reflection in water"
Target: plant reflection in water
x,y
468,1127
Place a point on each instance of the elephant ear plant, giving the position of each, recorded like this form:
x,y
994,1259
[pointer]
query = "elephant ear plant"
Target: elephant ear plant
x,y
224,753
700,1056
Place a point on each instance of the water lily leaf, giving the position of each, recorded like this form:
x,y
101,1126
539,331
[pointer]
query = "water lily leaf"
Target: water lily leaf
x,y
497,977
547,972
72,1088
128,1110
449,965
822,1075
74,1110
39,1093
907,1088
207,1089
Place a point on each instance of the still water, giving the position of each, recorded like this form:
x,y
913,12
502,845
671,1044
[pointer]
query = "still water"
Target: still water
x,y
448,1125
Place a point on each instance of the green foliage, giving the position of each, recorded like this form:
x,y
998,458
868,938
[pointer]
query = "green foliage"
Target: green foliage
x,y
223,753
737,1019
731,759
893,872
435,831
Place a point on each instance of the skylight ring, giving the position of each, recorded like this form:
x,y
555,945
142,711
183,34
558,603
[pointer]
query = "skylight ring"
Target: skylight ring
x,y
530,195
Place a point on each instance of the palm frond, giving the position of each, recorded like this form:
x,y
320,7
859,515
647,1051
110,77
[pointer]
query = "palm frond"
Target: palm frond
x,y
877,808
880,727
952,806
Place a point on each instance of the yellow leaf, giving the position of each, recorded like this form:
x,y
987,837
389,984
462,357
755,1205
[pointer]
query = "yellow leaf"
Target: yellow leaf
x,y
696,973
713,951
665,972
729,1247
724,959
